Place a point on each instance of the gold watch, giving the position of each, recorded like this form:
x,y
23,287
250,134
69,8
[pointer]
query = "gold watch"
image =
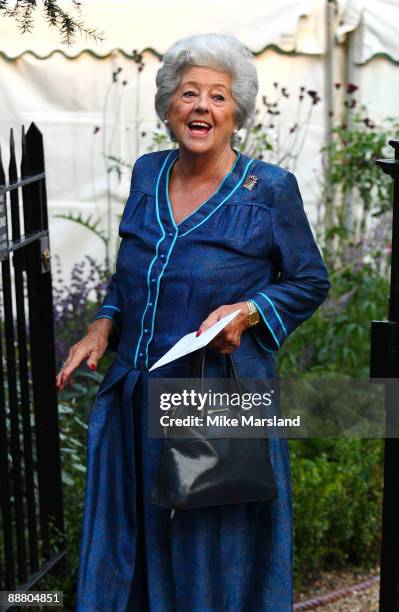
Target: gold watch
x,y
253,314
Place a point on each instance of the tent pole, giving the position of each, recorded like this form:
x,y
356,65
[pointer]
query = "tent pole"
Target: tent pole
x,y
350,75
328,93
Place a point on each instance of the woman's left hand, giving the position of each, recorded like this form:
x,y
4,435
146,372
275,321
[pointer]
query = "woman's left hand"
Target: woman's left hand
x,y
230,337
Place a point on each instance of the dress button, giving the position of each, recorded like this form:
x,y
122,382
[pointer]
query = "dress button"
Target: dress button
x,y
141,354
170,234
162,256
146,330
150,304
153,280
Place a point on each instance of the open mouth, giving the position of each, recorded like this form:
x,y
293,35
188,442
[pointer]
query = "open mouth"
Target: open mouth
x,y
199,128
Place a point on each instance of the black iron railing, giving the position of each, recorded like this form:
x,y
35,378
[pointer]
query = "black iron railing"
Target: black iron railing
x,y
31,512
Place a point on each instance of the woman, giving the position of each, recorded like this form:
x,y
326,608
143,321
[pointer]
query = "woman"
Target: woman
x,y
205,231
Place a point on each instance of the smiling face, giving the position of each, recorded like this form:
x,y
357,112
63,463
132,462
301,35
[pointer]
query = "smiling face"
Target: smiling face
x,y
201,113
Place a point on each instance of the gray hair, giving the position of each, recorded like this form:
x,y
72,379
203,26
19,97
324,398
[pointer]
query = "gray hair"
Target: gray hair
x,y
219,52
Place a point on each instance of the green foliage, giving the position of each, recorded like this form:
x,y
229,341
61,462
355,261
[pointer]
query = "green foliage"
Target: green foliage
x,y
354,146
337,500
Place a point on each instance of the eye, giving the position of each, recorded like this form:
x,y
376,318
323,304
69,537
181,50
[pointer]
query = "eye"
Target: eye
x,y
219,97
189,94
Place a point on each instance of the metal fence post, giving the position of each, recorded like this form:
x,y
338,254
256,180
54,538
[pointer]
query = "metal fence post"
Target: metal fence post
x,y
384,363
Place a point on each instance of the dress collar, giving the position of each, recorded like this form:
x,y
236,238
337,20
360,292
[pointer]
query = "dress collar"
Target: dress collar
x,y
229,184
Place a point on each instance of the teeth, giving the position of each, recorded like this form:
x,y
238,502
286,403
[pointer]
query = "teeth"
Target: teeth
x,y
199,124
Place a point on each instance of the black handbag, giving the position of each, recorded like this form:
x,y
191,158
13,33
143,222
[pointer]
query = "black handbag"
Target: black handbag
x,y
206,471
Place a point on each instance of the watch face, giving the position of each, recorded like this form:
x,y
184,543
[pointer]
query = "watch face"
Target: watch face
x,y
253,318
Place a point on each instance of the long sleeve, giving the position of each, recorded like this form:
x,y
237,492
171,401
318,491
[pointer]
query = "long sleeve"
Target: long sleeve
x,y
110,310
110,305
301,281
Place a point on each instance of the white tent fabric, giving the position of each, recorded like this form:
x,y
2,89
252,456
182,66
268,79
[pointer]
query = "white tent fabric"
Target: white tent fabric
x,y
139,24
69,99
376,24
291,25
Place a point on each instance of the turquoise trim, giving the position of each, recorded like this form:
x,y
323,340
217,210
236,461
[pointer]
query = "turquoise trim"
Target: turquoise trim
x,y
275,311
167,191
114,307
266,322
174,241
105,317
223,201
156,298
153,260
205,201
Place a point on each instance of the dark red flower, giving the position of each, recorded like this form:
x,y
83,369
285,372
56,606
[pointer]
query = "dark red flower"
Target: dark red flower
x,y
350,88
368,123
314,96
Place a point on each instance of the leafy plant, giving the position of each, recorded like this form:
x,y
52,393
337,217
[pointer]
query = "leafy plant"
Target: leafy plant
x,y
356,187
337,500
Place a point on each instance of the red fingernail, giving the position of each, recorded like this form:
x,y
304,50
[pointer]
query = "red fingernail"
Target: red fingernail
x,y
92,366
198,334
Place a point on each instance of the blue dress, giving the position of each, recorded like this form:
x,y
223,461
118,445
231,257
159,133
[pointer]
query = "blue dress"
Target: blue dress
x,y
250,240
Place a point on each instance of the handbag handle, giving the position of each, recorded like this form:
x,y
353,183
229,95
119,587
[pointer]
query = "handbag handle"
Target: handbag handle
x,y
198,367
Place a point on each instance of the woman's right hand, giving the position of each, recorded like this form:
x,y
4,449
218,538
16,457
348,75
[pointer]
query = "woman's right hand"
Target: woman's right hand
x,y
91,347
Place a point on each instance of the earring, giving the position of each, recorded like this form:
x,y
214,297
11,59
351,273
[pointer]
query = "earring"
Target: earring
x,y
235,132
165,121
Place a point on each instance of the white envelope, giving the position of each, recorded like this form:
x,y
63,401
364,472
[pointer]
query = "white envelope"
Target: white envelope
x,y
190,342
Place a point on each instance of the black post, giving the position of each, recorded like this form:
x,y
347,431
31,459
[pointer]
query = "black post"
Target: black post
x,y
384,363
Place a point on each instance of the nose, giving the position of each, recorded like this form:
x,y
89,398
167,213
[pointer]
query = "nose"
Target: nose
x,y
202,105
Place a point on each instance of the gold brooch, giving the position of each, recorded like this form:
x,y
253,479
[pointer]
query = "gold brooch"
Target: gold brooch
x,y
251,181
